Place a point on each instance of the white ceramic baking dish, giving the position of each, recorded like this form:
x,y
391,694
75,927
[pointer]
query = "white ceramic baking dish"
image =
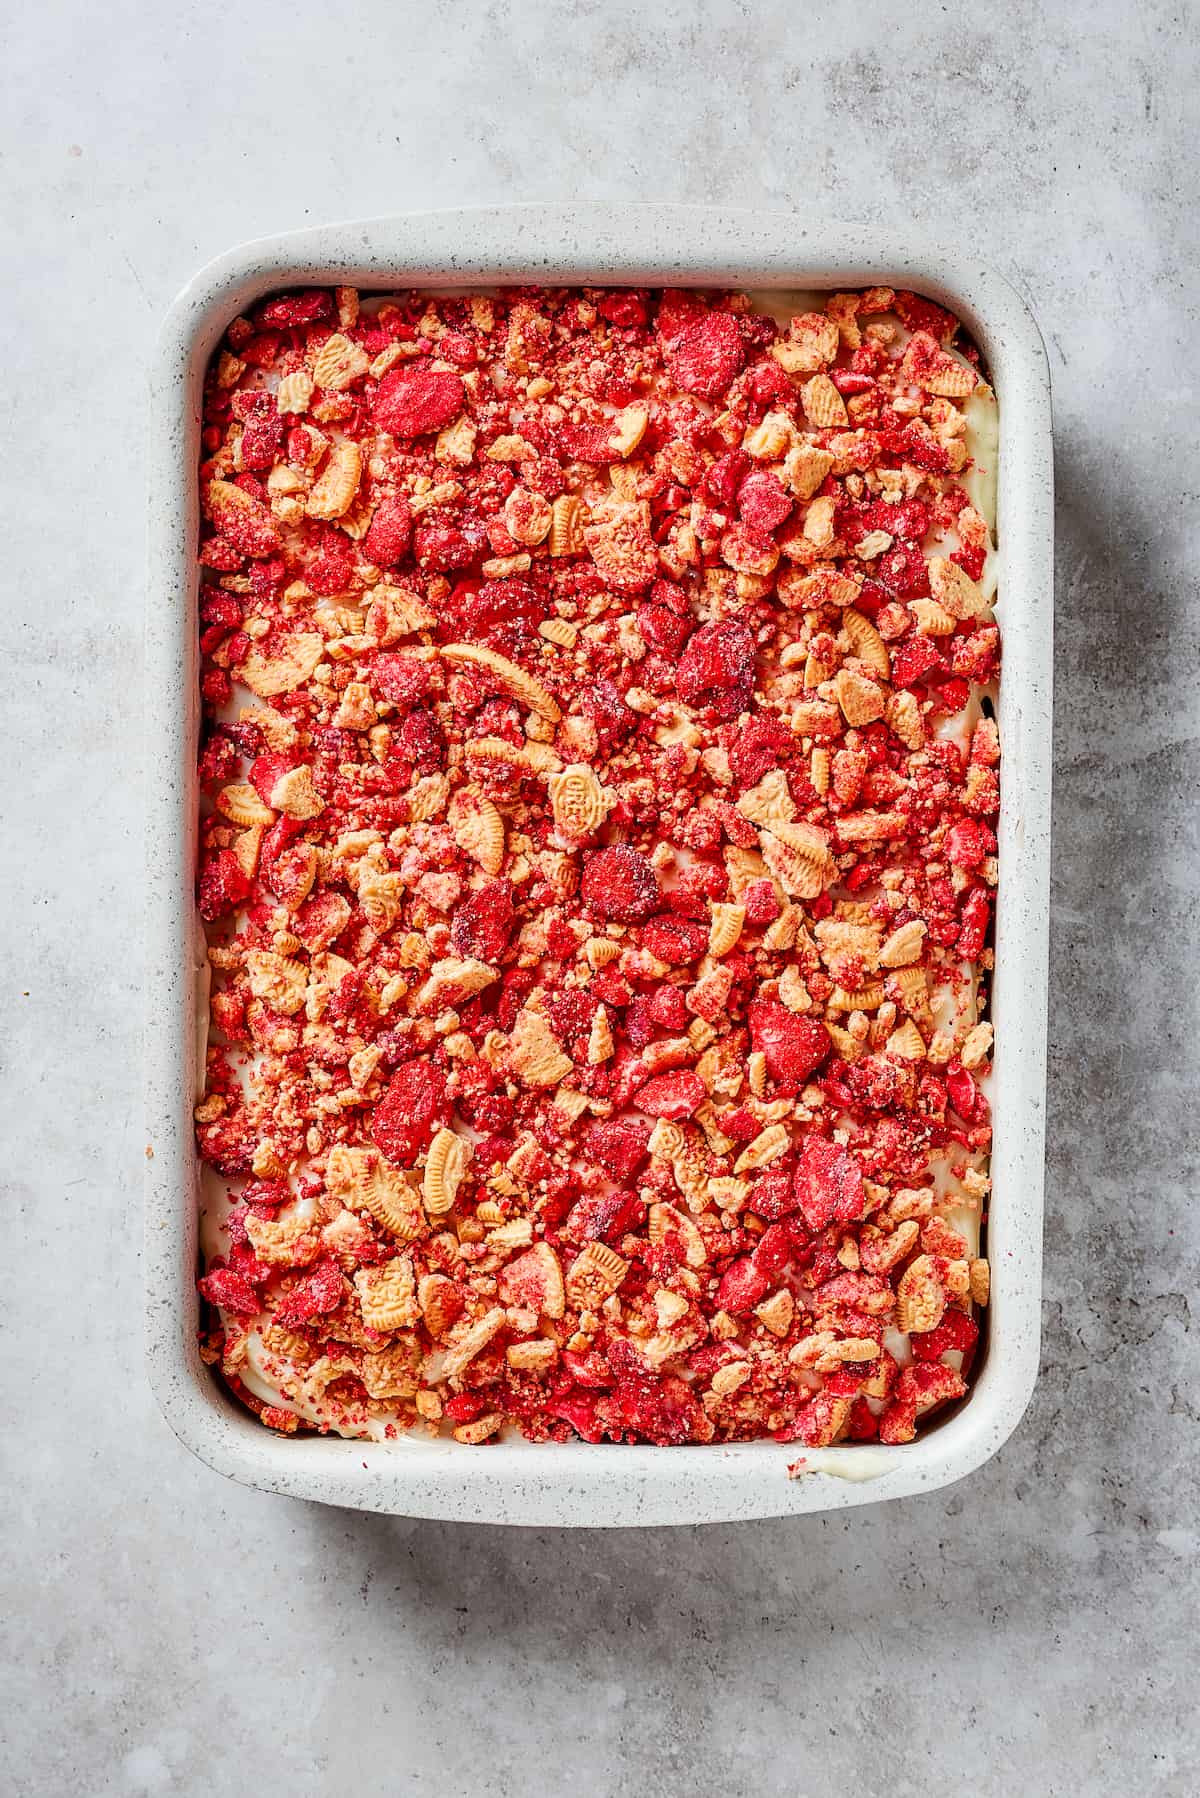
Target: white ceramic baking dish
x,y
518,1482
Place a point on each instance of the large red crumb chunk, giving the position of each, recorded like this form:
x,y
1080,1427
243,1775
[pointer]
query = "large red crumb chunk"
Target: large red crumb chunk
x,y
619,883
598,854
675,1095
717,668
410,1110
794,1046
411,401
706,354
390,532
829,1184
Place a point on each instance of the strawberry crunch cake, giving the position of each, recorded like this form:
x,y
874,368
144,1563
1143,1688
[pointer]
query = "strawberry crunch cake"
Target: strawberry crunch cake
x,y
597,861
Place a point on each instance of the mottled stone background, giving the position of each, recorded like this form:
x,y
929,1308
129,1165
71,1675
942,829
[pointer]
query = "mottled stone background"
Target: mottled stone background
x,y
1028,1631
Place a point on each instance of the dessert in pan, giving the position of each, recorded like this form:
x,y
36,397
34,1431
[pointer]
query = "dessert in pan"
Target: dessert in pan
x,y
597,862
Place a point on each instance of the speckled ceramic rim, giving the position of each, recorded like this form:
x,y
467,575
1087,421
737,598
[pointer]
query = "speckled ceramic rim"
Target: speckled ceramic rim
x,y
581,1484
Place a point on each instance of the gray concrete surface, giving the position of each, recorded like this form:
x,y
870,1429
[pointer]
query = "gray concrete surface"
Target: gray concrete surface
x,y
1028,1631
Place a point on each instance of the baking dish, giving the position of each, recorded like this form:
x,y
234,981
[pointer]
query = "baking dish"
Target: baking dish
x,y
581,1484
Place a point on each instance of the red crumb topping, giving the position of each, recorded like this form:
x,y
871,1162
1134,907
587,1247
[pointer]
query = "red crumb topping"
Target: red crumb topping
x,y
597,855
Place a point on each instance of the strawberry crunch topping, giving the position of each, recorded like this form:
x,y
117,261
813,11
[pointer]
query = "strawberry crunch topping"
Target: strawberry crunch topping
x,y
597,857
